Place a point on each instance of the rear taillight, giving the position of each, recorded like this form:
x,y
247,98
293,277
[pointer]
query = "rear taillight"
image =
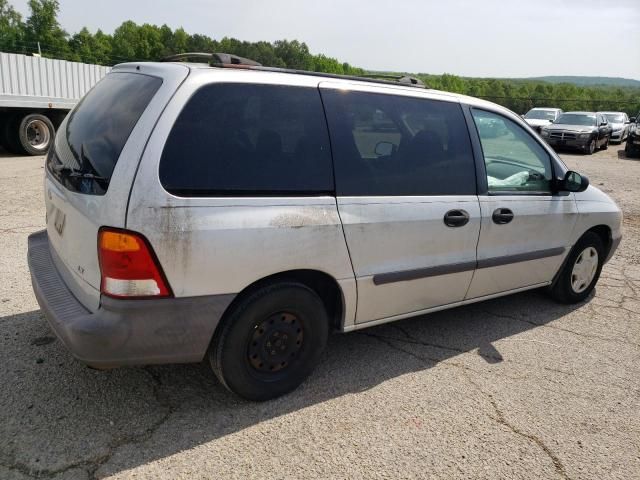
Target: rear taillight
x,y
128,266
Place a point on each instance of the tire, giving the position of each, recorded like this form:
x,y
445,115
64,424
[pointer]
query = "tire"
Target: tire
x,y
35,134
9,134
591,147
240,355
564,289
605,145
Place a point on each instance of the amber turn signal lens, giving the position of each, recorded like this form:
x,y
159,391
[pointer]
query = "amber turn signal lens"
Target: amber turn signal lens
x,y
118,242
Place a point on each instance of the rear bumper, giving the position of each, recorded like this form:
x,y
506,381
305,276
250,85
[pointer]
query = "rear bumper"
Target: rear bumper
x,y
123,332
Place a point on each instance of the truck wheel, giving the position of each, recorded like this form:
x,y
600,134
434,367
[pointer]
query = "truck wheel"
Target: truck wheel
x,y
35,134
9,134
581,270
271,341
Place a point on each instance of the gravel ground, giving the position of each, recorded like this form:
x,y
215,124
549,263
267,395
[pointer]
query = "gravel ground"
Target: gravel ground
x,y
518,387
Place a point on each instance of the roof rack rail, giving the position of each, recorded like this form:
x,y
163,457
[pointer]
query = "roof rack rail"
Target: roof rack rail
x,y
213,59
234,61
398,78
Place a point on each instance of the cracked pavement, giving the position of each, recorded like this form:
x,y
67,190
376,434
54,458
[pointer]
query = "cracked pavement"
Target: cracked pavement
x,y
518,387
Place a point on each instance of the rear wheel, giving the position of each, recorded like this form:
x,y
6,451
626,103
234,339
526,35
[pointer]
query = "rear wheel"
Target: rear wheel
x,y
581,270
271,341
35,134
605,145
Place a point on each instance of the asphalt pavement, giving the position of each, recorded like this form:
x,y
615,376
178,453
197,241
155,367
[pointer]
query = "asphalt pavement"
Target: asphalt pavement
x,y
518,387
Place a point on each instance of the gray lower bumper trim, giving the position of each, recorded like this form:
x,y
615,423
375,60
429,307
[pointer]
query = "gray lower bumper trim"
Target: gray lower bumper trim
x,y
123,332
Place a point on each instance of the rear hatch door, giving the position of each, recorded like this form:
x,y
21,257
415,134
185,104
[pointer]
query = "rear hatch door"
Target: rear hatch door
x,y
91,168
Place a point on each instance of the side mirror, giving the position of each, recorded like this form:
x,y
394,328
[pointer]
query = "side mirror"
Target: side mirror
x,y
384,149
574,182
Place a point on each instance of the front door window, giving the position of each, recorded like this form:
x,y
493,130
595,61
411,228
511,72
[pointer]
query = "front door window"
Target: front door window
x,y
515,161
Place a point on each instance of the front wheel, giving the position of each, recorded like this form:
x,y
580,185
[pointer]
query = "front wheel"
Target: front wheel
x,y
591,147
271,341
605,145
581,270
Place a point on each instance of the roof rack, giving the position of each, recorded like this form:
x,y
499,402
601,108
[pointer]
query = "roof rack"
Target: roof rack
x,y
234,61
213,59
398,78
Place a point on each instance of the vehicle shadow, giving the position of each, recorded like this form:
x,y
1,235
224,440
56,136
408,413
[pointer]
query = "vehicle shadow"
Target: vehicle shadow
x,y
622,155
95,417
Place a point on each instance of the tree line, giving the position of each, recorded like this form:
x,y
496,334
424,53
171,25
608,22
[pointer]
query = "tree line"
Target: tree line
x,y
133,42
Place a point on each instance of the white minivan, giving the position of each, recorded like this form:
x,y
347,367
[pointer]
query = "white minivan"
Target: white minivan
x,y
241,214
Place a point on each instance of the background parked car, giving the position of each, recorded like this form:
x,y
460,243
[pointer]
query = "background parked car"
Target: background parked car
x,y
586,131
633,141
541,117
619,122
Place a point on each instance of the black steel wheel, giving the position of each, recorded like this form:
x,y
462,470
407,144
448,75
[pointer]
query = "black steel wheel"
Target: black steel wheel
x,y
275,342
270,341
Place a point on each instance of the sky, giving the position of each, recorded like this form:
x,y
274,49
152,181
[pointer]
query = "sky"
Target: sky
x,y
480,38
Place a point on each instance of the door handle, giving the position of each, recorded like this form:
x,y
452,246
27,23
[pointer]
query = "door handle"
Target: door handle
x,y
502,216
456,218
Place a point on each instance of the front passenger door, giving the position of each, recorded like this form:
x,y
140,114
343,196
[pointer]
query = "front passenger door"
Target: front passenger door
x,y
525,228
406,194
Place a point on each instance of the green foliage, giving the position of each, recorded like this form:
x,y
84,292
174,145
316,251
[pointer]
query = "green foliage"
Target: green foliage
x,y
522,95
42,26
133,42
11,28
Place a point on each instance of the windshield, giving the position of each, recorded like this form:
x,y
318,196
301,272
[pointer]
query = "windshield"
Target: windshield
x,y
540,115
614,117
577,119
93,135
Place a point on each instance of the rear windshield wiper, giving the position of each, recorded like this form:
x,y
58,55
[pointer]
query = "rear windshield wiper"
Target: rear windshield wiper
x,y
89,176
71,172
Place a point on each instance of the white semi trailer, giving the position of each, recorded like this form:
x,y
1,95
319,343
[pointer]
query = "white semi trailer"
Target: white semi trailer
x,y
35,95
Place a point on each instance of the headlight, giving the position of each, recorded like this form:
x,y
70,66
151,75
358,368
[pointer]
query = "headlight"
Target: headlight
x,y
584,136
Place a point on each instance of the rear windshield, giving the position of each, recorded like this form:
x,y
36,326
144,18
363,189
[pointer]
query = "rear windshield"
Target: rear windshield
x,y
92,137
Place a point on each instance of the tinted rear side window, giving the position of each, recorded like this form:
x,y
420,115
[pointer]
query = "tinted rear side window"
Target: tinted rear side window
x,y
94,134
243,139
392,145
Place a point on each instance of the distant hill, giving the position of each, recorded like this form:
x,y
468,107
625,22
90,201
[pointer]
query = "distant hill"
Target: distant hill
x,y
589,81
